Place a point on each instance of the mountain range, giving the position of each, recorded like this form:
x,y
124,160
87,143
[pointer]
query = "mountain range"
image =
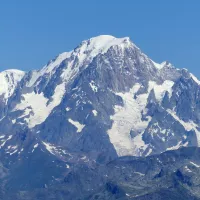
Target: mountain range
x,y
102,121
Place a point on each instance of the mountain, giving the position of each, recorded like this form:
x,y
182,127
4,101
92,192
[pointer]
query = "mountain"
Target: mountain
x,y
9,80
100,102
171,175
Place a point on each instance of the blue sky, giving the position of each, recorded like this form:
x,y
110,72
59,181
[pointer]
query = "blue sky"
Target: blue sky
x,y
33,32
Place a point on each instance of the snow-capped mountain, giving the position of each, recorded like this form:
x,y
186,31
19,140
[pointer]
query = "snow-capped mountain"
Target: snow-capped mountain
x,y
8,83
104,98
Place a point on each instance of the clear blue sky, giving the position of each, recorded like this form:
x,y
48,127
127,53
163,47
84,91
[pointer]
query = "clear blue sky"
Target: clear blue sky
x,y
35,31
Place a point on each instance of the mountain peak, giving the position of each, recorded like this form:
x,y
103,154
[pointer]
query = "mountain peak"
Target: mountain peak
x,y
87,50
9,80
101,43
107,39
12,71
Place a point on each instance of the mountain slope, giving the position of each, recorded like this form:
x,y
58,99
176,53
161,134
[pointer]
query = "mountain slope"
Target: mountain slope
x,y
106,98
170,175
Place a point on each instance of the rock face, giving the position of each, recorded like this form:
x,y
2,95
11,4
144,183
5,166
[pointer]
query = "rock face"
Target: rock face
x,y
103,100
171,175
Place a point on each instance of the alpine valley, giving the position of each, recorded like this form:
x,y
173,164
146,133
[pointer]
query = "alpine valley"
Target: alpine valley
x,y
100,122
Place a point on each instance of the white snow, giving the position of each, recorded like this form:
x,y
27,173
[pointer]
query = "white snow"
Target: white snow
x,y
161,65
36,105
79,57
187,169
128,118
83,158
159,160
14,147
103,42
77,125
55,63
10,148
67,166
50,69
13,152
175,147
160,90
187,125
195,78
2,136
55,150
149,152
93,86
198,166
85,54
37,108
34,147
87,51
94,112
4,142
8,81
139,173
51,148
90,49
158,65
100,44
14,121
68,109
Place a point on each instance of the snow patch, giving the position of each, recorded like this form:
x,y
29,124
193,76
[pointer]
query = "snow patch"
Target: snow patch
x,y
161,65
175,147
55,63
50,69
129,118
198,166
139,173
187,125
160,90
94,112
14,152
67,166
157,65
14,121
52,149
93,86
4,141
68,109
34,147
187,169
36,107
2,136
102,43
195,78
149,152
77,125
